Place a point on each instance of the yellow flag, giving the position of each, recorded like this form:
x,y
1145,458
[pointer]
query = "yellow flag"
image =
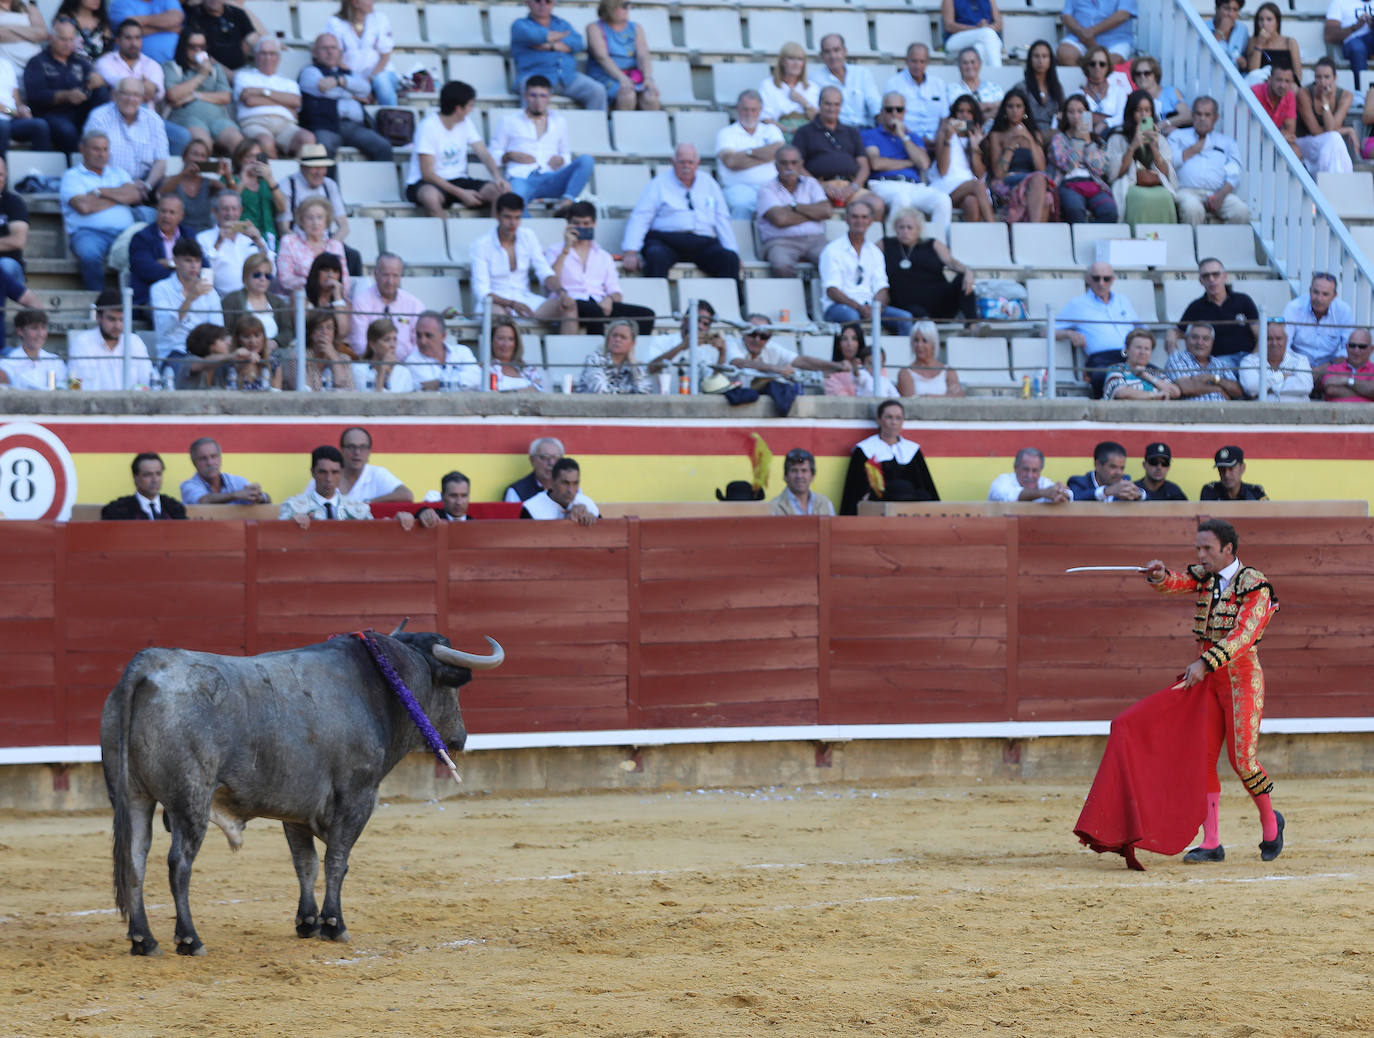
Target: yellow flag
x,y
762,458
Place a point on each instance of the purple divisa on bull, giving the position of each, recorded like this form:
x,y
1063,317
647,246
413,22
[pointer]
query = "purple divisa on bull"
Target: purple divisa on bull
x,y
303,736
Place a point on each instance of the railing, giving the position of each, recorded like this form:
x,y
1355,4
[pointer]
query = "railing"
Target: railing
x,y
1298,229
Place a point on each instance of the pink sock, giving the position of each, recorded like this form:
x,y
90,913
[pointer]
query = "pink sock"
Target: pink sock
x,y
1209,824
1268,823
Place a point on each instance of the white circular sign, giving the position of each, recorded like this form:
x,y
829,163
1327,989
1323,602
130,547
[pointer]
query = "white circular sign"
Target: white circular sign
x,y
37,477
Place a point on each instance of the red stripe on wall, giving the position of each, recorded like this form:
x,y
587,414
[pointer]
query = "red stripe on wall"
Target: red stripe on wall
x,y
488,436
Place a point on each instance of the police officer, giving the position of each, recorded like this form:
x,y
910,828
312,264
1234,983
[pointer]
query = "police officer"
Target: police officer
x,y
1158,458
1230,465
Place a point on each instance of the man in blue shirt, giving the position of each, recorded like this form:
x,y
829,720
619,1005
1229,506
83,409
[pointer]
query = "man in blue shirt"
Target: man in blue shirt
x,y
541,44
1208,165
213,486
161,21
1097,323
96,199
896,162
1319,325
1106,23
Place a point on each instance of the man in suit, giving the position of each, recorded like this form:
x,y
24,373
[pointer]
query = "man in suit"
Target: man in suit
x,y
1108,480
149,502
150,250
455,494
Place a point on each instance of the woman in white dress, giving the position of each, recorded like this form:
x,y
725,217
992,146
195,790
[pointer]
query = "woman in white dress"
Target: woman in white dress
x,y
959,169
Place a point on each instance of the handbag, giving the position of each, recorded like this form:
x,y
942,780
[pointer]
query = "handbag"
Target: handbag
x,y
397,125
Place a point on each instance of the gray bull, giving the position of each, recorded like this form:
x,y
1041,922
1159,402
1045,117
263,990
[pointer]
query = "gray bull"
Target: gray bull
x,y
304,736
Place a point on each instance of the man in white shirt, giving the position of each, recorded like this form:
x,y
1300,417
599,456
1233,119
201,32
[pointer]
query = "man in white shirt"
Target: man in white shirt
x,y
440,365
184,300
926,96
95,357
861,99
854,276
29,365
269,105
384,297
758,356
744,155
322,499
564,498
532,146
681,217
231,241
501,264
1287,373
361,480
1027,483
437,176
1348,23
138,139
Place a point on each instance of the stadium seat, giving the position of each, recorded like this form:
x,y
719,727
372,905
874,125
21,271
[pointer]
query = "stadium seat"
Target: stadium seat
x,y
293,59
1350,194
275,17
1310,37
1179,236
774,297
1019,31
1087,235
1177,296
1051,293
437,293
722,293
610,232
368,183
896,351
895,31
1364,238
619,186
461,235
699,128
674,79
768,29
657,32
1043,246
982,363
712,30
642,133
313,15
819,345
1270,294
362,235
650,292
983,246
485,73
458,26
566,354
405,23
837,229
587,131
730,79
852,25
48,164
1141,292
419,239
500,17
1233,244
745,245
1028,358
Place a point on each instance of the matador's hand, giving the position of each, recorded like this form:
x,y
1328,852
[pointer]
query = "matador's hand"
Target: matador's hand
x,y
1197,670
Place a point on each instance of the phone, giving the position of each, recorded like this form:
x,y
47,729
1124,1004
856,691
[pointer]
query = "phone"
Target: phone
x,y
207,276
1085,121
585,233
1147,124
959,125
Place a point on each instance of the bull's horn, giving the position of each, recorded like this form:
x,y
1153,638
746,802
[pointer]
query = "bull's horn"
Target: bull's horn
x,y
400,627
459,658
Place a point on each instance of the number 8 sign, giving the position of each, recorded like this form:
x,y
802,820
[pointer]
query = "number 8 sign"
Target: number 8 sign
x,y
37,477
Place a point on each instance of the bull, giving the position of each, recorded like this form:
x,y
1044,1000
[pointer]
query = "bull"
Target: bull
x,y
304,736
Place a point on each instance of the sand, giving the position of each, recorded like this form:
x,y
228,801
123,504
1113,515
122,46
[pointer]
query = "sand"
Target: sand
x,y
812,911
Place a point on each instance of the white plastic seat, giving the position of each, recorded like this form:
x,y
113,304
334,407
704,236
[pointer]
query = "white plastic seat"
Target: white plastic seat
x,y
275,17
981,363
362,235
1028,358
500,17
712,30
745,245
1310,36
650,292
587,131
774,297
674,79
436,292
1177,296
1350,194
48,164
1043,245
722,293
462,233
619,186
313,15
656,29
983,246
852,25
293,59
699,128
485,73
405,22
368,183
566,354
895,31
642,133
1021,30
1141,292
1364,238
610,232
1234,244
769,29
1179,237
1050,292
729,80
418,239
896,352
1087,235
455,25
1271,294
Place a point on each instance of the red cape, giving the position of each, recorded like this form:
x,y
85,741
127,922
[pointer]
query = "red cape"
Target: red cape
x,y
1150,791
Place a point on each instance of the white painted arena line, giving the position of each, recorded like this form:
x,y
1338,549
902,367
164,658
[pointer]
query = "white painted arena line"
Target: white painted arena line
x,y
560,876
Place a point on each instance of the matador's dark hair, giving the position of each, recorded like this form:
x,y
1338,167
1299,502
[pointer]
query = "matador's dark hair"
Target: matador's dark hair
x,y
1225,532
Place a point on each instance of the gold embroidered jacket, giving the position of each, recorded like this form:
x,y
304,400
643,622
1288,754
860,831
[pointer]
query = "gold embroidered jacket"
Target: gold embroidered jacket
x,y
1233,621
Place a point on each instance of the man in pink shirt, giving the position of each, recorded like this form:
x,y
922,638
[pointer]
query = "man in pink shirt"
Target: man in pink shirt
x,y
384,297
1351,380
1276,97
587,273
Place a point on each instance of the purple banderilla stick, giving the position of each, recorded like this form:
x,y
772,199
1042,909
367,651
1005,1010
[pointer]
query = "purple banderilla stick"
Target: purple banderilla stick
x,y
432,737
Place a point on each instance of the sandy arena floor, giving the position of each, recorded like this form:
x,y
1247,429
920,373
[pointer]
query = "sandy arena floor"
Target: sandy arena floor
x,y
878,911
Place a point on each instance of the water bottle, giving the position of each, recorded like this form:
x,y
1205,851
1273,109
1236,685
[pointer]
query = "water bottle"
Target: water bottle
x,y
1025,387
684,382
1045,382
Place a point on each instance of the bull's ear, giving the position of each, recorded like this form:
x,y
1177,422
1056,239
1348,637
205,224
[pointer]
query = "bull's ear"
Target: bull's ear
x,y
400,627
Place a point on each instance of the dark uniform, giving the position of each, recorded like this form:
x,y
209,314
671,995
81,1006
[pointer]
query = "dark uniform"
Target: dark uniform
x,y
1214,491
1168,491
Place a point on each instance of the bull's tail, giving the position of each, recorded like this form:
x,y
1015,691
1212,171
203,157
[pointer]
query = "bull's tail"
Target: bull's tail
x,y
117,723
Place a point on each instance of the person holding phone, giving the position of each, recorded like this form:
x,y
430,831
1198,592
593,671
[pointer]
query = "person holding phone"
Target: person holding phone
x,y
1080,166
958,168
185,299
1142,166
587,273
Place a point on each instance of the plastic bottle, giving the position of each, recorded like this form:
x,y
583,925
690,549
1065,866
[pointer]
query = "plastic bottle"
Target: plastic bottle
x,y
684,383
1045,382
1025,387
495,378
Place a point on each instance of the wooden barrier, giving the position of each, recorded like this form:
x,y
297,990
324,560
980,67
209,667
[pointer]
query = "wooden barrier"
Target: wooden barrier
x,y
690,622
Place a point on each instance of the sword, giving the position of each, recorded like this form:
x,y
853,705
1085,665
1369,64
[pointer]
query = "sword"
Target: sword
x,y
1106,569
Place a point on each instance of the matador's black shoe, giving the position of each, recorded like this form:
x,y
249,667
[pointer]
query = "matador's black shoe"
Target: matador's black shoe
x,y
1197,854
1271,849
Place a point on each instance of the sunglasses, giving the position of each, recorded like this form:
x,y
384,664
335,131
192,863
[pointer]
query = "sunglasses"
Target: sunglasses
x,y
1158,461
1211,273
892,108
762,335
1141,73
1109,278
1097,64
260,274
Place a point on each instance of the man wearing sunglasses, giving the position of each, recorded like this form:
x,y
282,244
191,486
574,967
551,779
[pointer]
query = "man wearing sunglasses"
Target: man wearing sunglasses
x,y
1104,23
767,358
1097,323
1155,482
898,163
1232,314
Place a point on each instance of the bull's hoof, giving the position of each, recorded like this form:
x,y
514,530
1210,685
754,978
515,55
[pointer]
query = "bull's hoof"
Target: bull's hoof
x,y
143,946
307,926
190,946
334,930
